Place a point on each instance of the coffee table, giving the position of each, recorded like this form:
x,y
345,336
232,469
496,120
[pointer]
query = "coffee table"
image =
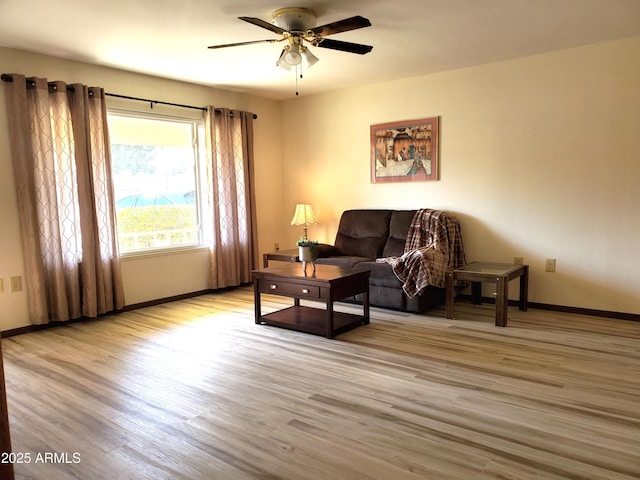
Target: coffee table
x,y
327,284
500,274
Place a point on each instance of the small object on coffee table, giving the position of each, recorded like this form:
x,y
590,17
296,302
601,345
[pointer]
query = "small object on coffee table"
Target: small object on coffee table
x,y
308,253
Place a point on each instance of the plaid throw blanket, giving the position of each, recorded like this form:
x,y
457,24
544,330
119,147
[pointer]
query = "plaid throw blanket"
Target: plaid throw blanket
x,y
433,247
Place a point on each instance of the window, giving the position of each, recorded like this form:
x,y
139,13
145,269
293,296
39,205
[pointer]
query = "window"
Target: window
x,y
155,177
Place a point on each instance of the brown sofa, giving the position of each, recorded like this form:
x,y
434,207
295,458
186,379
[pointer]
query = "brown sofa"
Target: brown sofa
x,y
366,235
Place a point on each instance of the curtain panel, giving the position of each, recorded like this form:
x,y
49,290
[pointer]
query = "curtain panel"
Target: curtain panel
x,y
61,158
230,216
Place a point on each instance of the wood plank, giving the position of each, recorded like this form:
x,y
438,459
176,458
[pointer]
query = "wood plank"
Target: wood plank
x,y
194,389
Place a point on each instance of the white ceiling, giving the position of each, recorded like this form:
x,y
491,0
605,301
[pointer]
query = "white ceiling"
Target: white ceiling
x,y
169,38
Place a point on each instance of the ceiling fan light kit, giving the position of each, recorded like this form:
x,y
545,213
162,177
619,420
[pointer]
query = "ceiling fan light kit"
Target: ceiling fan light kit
x,y
297,25
294,54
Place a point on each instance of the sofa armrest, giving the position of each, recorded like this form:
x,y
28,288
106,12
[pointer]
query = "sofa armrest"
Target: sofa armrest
x,y
326,250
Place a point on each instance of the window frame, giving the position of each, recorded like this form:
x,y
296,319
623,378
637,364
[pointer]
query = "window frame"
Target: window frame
x,y
198,139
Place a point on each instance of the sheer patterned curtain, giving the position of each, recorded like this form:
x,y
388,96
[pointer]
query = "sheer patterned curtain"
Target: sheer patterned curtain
x,y
230,219
61,158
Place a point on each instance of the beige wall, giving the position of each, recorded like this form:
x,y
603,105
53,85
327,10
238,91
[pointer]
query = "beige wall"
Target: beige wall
x,y
151,277
540,157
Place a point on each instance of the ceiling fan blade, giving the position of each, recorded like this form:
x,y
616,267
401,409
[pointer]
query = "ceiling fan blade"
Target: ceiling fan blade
x,y
263,24
243,43
345,25
344,46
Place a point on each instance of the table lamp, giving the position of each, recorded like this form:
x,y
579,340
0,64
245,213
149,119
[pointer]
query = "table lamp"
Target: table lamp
x,y
303,216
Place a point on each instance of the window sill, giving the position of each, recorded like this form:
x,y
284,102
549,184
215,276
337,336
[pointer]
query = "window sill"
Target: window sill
x,y
162,252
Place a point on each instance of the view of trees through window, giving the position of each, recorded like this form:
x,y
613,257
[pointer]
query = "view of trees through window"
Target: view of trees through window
x,y
154,163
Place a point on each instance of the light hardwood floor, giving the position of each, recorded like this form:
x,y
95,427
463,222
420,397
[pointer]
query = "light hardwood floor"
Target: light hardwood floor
x,y
195,390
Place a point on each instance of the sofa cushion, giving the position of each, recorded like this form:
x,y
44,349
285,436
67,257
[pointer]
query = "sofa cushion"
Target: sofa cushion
x,y
345,261
398,228
363,233
394,247
381,274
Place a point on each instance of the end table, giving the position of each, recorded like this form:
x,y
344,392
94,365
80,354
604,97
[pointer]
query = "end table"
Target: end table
x,y
484,272
290,255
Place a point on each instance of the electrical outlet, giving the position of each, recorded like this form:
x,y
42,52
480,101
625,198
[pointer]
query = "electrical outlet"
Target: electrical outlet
x,y
16,284
518,260
550,265
276,246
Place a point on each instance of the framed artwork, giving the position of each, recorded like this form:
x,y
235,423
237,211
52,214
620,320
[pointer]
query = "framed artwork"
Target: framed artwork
x,y
405,151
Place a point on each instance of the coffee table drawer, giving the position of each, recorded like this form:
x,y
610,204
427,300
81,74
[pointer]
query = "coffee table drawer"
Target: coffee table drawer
x,y
284,288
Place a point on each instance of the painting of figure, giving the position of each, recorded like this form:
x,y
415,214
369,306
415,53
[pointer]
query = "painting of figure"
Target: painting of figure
x,y
405,151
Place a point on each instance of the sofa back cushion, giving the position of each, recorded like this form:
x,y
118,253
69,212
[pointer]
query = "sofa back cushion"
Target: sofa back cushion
x,y
398,228
363,233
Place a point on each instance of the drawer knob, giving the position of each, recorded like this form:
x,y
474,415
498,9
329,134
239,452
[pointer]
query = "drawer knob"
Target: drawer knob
x,y
305,290
273,286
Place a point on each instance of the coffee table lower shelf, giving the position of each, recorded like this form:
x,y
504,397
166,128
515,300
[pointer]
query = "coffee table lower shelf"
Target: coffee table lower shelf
x,y
311,320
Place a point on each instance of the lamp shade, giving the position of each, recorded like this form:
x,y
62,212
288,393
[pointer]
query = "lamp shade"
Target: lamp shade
x,y
293,56
290,57
309,58
303,215
282,63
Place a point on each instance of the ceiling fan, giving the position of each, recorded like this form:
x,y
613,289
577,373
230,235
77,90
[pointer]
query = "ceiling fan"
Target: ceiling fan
x,y
297,26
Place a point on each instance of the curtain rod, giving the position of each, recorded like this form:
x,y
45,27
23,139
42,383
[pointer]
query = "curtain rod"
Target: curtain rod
x,y
8,78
